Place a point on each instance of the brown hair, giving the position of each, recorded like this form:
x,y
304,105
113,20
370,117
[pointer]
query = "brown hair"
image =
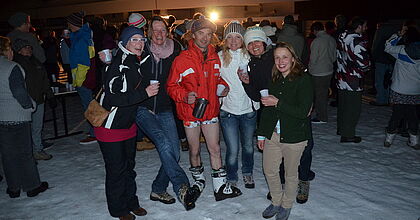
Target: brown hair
x,y
150,27
227,58
297,67
5,46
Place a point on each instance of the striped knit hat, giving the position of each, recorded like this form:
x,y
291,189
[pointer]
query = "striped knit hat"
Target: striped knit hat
x,y
233,27
76,18
137,20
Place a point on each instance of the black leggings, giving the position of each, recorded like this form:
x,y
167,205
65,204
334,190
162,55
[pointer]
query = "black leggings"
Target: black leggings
x,y
406,112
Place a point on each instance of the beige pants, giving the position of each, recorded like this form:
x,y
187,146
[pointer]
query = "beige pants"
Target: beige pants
x,y
273,153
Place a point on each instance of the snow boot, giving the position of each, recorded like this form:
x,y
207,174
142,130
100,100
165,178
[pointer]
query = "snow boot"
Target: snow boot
x,y
303,192
222,188
413,141
198,176
188,195
389,138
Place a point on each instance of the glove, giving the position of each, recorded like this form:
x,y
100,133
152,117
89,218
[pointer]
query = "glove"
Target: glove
x,y
52,102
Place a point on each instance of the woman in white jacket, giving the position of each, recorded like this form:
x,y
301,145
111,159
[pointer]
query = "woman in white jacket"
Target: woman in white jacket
x,y
405,87
238,114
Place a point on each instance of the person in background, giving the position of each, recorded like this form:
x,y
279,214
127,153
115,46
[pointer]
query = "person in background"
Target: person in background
x,y
65,54
290,35
82,63
238,115
284,129
384,62
21,23
39,89
155,117
353,61
16,107
321,67
117,135
195,74
405,89
50,45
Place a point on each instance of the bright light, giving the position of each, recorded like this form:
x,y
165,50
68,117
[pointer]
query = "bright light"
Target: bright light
x,y
214,16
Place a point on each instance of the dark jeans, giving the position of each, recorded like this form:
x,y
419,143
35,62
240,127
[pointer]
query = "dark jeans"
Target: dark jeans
x,y
19,165
305,161
161,129
67,70
406,112
120,183
238,133
349,108
321,85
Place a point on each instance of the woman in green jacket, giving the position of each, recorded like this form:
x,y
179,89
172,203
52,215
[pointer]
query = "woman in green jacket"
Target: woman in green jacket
x,y
284,128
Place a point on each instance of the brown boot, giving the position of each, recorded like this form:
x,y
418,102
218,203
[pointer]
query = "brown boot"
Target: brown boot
x,y
184,145
140,211
129,216
142,145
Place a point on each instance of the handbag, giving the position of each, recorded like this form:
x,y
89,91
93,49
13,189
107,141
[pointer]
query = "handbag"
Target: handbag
x,y
95,113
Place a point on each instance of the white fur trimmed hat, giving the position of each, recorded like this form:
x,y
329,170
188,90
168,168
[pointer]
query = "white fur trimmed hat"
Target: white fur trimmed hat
x,y
233,27
254,33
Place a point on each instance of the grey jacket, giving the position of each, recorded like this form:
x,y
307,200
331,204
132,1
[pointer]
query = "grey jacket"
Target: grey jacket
x,y
323,55
289,34
38,51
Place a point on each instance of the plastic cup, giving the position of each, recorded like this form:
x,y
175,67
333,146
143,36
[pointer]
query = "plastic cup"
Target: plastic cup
x,y
153,81
244,69
264,92
220,89
108,56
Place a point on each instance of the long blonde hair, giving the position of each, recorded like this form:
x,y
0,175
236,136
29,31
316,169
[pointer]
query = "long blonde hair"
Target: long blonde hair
x,y
297,67
5,46
227,58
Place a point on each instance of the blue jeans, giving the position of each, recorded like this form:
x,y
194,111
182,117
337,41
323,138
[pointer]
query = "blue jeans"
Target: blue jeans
x,y
382,94
85,98
238,130
36,127
161,129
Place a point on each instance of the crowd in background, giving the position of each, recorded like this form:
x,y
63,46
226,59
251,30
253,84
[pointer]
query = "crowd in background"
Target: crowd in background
x,y
181,83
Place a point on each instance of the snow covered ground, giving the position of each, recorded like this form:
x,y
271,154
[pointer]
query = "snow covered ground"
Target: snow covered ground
x,y
353,181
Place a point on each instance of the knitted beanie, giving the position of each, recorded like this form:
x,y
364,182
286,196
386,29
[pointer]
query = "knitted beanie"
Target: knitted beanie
x,y
254,33
19,44
18,19
203,23
233,27
76,18
137,20
128,32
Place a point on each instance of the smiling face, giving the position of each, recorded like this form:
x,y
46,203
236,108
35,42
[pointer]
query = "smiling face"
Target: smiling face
x,y
284,60
255,48
202,38
136,44
159,32
234,41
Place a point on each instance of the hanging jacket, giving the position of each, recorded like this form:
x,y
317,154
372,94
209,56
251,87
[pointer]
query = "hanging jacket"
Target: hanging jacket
x,y
190,72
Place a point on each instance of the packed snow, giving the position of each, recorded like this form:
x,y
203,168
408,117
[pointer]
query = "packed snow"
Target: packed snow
x,y
353,181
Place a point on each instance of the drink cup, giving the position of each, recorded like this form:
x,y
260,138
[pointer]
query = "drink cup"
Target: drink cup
x,y
153,81
108,56
244,69
264,92
220,89
200,107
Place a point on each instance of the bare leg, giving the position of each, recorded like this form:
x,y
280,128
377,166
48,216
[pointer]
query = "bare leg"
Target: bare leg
x,y
193,137
211,133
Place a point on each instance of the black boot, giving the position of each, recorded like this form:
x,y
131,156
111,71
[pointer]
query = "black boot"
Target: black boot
x,y
223,189
188,195
13,194
37,190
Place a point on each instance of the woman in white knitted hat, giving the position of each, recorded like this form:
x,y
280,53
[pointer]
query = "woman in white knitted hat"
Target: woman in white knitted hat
x,y
238,114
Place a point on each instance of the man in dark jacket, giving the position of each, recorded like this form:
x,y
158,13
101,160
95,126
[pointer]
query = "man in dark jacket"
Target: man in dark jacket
x,y
156,119
38,87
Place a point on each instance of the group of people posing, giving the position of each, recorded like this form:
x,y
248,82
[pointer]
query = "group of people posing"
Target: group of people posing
x,y
251,86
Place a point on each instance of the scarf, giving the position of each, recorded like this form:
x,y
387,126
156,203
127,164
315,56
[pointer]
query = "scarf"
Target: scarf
x,y
162,51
